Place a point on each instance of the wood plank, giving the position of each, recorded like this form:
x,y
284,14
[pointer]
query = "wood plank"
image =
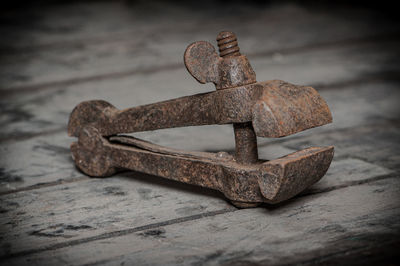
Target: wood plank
x,y
377,144
96,206
322,225
348,172
49,110
37,161
102,21
82,48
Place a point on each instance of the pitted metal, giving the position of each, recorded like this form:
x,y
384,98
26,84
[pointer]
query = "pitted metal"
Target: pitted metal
x,y
264,109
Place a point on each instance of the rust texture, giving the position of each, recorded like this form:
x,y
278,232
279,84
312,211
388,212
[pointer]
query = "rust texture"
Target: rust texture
x,y
265,109
246,143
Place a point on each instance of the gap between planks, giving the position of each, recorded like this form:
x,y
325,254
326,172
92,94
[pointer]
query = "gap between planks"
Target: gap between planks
x,y
7,92
384,123
46,184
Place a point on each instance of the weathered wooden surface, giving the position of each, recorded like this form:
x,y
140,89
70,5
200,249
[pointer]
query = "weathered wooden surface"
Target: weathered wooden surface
x,y
131,54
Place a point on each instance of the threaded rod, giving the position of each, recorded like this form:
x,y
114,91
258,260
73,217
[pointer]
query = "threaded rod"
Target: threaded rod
x,y
245,138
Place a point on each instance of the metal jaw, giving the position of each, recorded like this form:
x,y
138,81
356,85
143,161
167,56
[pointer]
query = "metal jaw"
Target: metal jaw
x,y
265,109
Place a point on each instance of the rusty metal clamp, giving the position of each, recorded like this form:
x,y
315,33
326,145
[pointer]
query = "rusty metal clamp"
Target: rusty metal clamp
x,y
266,109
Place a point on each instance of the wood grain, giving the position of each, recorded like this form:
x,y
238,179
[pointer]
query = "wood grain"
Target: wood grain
x,y
60,50
272,236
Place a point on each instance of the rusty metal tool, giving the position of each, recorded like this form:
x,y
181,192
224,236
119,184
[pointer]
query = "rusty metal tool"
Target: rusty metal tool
x,y
266,109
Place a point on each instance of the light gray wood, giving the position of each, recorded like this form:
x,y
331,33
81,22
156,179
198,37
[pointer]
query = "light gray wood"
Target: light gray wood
x,y
348,172
92,207
36,161
317,224
377,143
88,208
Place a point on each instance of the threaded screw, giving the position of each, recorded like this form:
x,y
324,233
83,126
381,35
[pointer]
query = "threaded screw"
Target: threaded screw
x,y
227,44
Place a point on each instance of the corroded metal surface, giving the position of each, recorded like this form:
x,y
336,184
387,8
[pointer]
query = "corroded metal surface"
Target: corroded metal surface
x,y
264,181
275,108
265,109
